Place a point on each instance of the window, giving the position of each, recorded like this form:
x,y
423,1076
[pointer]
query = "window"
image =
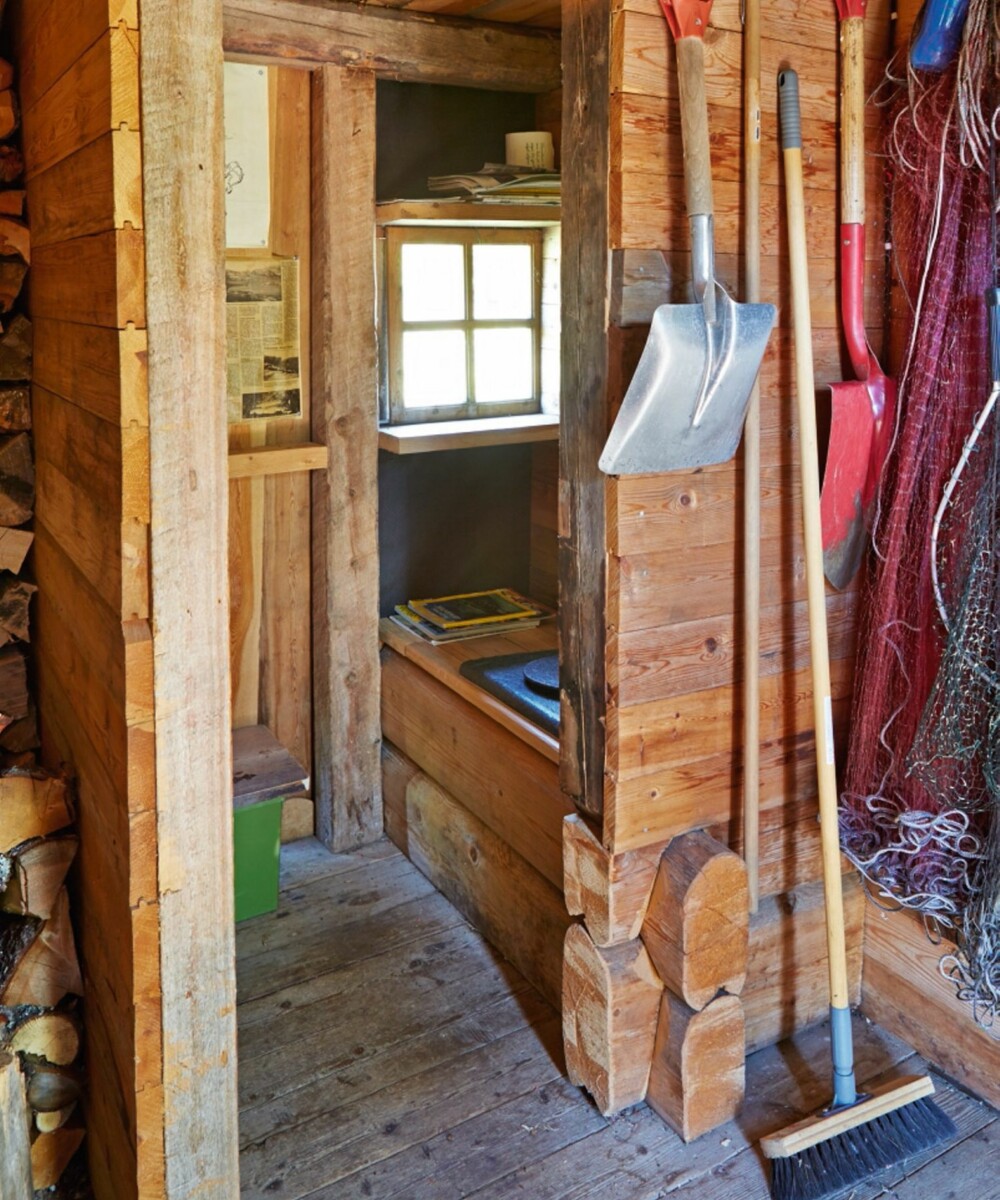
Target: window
x,y
464,321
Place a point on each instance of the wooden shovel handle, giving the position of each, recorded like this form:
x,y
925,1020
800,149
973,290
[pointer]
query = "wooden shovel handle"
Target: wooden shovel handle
x,y
694,126
751,463
791,147
852,121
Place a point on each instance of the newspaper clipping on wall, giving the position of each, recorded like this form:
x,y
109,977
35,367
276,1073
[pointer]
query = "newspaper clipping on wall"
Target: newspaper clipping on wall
x,y
262,338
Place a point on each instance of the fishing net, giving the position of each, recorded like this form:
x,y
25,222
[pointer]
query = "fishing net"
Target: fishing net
x,y
920,812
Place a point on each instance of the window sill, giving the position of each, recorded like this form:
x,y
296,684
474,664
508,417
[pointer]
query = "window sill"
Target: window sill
x,y
466,435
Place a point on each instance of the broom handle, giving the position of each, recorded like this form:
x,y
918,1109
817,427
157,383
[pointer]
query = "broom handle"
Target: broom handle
x,y
751,466
791,144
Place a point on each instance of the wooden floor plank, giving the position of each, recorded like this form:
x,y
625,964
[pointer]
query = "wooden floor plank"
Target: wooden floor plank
x,y
387,1053
342,899
310,954
308,859
318,1152
420,1001
968,1169
286,1015
638,1158
458,1161
432,1051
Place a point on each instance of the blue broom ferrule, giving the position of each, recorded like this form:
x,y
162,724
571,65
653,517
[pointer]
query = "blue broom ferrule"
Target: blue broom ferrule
x,y
845,1091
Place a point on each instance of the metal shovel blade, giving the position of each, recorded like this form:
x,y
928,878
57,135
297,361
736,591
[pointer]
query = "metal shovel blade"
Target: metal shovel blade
x,y
688,397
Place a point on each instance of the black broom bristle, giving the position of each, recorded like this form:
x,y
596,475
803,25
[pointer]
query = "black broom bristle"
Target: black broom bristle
x,y
831,1166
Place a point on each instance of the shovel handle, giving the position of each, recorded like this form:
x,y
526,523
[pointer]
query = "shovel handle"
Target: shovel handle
x,y
694,126
852,121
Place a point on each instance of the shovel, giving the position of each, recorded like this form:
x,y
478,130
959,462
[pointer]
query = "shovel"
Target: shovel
x,y
862,410
686,402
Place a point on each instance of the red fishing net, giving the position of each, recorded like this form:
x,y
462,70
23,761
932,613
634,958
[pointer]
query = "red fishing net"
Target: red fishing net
x,y
918,806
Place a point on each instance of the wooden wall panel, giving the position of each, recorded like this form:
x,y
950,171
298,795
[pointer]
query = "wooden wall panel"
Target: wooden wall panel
x,y
70,199
97,92
79,86
675,553
59,33
543,560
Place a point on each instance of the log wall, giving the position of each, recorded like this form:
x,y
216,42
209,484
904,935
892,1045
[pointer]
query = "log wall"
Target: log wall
x,y
79,87
674,541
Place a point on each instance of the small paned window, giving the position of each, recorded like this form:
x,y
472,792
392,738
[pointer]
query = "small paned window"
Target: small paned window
x,y
464,322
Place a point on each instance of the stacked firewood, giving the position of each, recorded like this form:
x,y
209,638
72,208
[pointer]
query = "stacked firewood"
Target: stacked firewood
x,y
39,974
18,735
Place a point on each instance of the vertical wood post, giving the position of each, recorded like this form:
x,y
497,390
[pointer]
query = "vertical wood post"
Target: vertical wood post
x,y
15,1145
181,73
586,33
346,717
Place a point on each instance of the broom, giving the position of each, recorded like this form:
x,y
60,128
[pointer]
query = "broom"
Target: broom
x,y
857,1135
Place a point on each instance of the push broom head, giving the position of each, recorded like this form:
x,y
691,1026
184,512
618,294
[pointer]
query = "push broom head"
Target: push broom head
x,y
826,1154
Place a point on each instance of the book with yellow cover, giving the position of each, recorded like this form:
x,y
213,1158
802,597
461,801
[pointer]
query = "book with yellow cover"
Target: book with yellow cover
x,y
495,606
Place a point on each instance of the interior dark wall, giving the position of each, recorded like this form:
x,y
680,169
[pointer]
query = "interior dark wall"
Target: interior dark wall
x,y
427,129
453,521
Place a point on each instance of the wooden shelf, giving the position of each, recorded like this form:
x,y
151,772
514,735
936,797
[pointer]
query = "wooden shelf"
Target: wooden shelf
x,y
465,212
277,460
465,435
263,768
443,663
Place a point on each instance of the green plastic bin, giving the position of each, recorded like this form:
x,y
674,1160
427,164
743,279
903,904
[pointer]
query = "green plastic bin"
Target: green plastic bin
x,y
256,845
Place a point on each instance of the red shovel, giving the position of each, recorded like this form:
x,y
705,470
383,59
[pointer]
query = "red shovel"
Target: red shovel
x,y
863,409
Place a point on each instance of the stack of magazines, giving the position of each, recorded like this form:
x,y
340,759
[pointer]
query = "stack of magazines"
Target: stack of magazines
x,y
468,615
501,182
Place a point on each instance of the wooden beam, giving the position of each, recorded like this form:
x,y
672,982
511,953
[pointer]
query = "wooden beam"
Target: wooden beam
x,y
584,371
346,718
412,47
181,72
610,891
15,1162
610,1006
697,1076
697,921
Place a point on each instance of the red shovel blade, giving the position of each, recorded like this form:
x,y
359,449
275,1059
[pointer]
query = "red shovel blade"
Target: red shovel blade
x,y
861,415
687,18
861,419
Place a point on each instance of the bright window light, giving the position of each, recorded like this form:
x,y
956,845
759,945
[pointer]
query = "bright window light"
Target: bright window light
x,y
502,283
505,366
433,282
434,370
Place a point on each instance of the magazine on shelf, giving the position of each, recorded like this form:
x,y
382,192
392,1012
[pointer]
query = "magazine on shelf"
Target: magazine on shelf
x,y
499,182
491,607
407,619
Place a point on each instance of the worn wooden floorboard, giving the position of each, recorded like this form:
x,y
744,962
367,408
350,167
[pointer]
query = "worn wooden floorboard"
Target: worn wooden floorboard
x,y
311,861
283,1017
432,995
487,1147
387,1054
306,1156
390,929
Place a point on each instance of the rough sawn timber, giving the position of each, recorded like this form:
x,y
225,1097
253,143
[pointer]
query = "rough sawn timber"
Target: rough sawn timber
x,y
392,44
585,424
345,495
181,71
